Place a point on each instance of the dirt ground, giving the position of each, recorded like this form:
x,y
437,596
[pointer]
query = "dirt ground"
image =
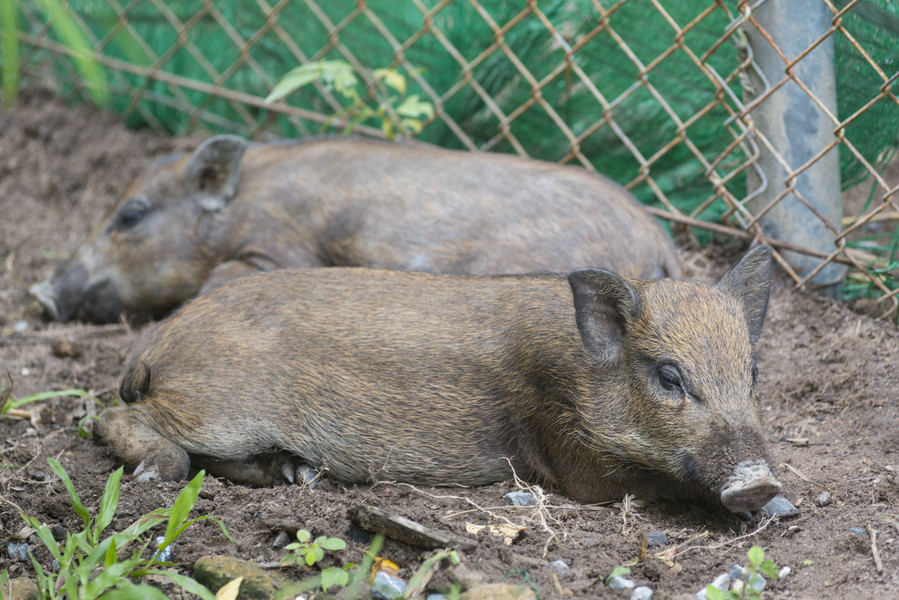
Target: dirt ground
x,y
828,376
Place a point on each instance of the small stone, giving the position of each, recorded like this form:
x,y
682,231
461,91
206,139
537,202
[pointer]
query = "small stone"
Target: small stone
x,y
387,587
520,499
857,531
738,572
435,597
824,499
63,348
722,582
58,532
784,572
656,538
19,327
757,583
499,591
281,540
165,555
18,551
642,592
617,582
20,588
559,566
779,507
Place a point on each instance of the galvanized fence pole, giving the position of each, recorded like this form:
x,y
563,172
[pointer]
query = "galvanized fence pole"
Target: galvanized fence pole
x,y
796,129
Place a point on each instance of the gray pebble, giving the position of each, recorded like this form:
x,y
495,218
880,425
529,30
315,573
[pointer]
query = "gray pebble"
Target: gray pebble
x,y
281,540
757,583
738,572
722,582
520,499
387,587
559,566
824,499
656,538
18,551
857,531
642,593
779,507
20,326
435,597
166,555
617,582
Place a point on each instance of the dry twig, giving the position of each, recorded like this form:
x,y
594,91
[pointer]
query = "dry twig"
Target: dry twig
x,y
872,533
733,541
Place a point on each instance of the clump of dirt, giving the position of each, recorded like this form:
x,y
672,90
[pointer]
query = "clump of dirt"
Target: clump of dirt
x,y
828,379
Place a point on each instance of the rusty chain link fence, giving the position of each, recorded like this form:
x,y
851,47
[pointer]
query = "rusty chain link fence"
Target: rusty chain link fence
x,y
735,117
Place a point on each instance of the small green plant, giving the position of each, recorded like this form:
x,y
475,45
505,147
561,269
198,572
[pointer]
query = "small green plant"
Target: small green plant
x,y
757,567
91,565
398,114
617,572
9,404
305,552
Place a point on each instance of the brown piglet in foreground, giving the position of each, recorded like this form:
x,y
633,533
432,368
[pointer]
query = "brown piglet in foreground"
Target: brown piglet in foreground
x,y
189,223
592,384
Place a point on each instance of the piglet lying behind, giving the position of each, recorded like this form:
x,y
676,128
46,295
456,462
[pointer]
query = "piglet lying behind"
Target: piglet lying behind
x,y
592,384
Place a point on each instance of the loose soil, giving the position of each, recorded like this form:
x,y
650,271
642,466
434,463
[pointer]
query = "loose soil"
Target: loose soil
x,y
829,381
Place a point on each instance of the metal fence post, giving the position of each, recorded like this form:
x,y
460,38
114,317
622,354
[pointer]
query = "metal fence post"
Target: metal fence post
x,y
797,129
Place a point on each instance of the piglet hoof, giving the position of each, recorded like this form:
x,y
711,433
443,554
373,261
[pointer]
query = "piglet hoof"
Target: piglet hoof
x,y
145,472
306,475
750,488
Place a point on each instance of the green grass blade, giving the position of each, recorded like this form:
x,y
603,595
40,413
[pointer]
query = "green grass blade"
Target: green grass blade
x,y
9,51
134,592
73,495
43,533
108,503
186,583
49,395
182,507
82,51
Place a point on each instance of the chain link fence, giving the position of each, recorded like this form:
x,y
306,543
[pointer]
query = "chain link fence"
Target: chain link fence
x,y
697,107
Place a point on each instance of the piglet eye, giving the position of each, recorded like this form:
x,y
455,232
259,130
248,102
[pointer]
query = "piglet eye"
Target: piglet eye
x,y
132,213
670,379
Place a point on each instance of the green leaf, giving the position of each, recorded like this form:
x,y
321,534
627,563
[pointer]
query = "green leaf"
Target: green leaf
x,y
10,51
184,503
186,583
134,592
303,535
112,554
713,593
617,572
392,79
412,106
333,544
43,532
80,49
73,495
769,569
755,555
333,72
292,546
108,503
334,576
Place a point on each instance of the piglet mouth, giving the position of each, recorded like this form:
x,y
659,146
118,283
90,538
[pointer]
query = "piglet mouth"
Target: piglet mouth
x,y
750,488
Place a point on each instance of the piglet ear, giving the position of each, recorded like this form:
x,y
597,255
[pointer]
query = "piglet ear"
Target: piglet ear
x,y
214,170
604,303
749,281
